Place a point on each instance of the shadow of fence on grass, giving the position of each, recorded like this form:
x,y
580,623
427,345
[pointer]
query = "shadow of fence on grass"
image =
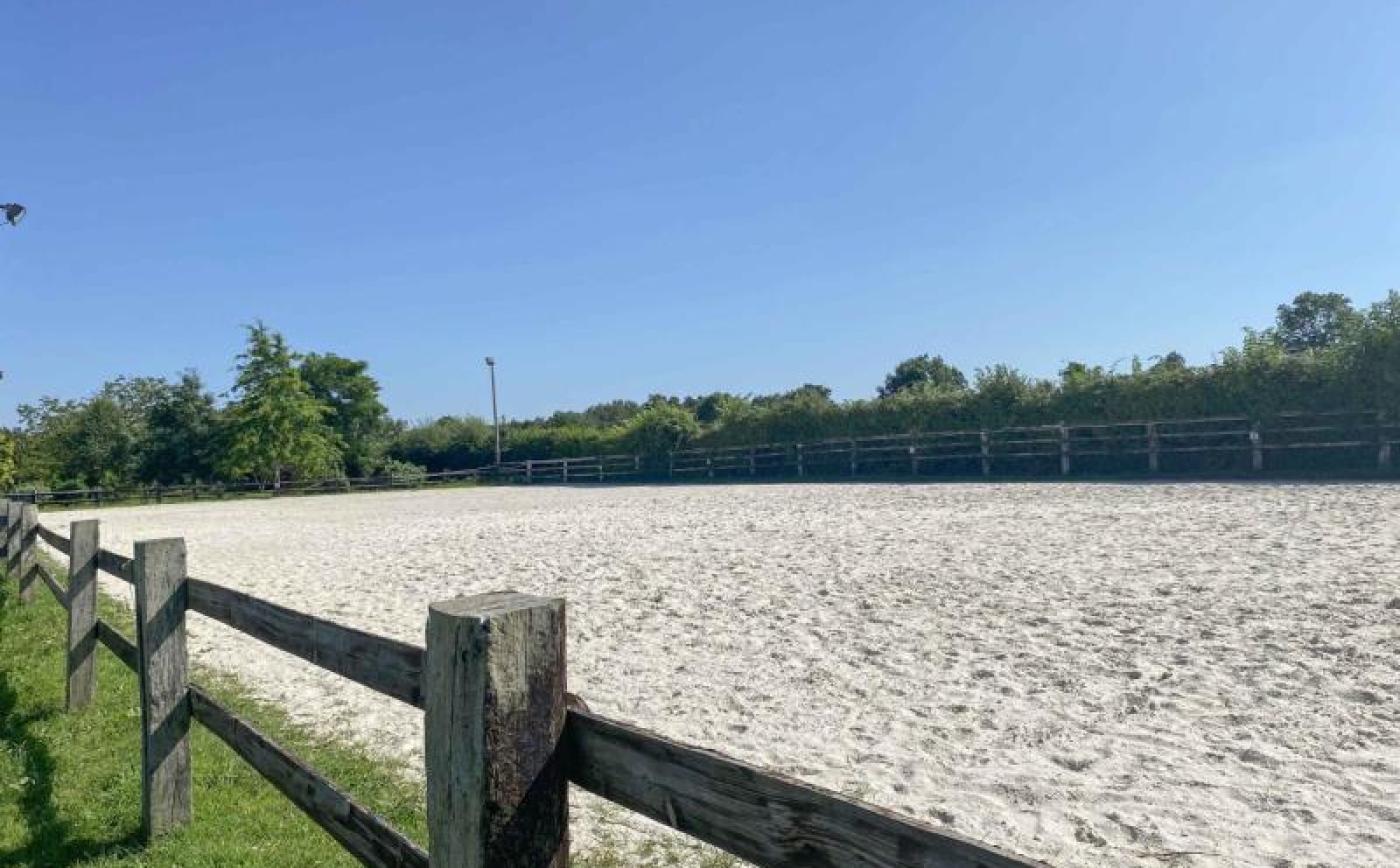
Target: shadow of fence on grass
x,y
50,840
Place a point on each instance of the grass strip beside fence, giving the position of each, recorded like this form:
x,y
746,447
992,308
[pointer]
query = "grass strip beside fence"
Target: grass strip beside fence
x,y
70,790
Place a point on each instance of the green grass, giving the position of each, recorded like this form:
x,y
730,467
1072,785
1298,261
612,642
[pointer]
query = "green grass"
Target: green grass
x,y
70,791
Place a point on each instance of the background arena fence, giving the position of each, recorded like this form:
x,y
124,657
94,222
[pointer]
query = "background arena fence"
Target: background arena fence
x,y
1360,442
503,740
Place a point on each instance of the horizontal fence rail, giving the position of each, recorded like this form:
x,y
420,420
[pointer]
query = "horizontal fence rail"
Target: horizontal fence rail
x,y
388,666
360,831
760,816
1358,441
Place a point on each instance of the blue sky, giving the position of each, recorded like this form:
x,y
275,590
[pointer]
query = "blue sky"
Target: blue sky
x,y
623,198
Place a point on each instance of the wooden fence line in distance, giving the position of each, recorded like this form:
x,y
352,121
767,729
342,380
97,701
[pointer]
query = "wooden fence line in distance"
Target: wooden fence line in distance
x,y
1060,449
501,743
1044,450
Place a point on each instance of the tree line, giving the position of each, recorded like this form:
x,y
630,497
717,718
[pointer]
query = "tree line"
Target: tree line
x,y
291,415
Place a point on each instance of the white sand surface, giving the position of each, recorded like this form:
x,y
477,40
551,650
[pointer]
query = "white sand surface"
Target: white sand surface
x,y
1183,674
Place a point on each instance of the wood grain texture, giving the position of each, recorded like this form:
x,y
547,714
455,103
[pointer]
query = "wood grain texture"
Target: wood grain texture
x,y
53,538
13,510
59,594
122,647
161,600
82,615
363,834
116,565
494,675
762,817
391,667
28,563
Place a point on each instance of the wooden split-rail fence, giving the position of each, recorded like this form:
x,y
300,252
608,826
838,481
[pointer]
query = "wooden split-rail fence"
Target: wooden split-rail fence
x,y
1343,442
1350,441
503,740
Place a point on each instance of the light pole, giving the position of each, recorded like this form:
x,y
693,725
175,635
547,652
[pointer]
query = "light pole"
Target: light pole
x,y
14,212
495,419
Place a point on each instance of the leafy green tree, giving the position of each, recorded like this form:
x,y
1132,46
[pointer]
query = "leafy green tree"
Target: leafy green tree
x,y
661,429
1314,321
1005,396
925,372
1172,362
1372,367
710,408
356,414
7,460
448,443
807,394
181,434
73,444
276,426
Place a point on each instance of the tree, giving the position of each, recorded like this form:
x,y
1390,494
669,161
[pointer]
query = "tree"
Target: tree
x,y
1172,362
1314,321
1004,392
275,425
182,429
807,394
7,460
661,429
926,372
356,414
79,443
710,408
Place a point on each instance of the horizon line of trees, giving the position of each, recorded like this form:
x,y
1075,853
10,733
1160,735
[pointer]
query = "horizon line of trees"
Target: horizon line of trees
x,y
291,415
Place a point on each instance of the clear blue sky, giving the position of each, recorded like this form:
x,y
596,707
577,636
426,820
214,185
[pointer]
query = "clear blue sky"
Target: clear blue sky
x,y
623,198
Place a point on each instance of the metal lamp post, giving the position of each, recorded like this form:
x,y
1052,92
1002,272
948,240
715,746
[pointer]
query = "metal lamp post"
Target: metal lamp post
x,y
495,418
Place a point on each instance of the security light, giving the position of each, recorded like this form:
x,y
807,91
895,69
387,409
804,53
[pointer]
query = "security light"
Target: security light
x,y
14,212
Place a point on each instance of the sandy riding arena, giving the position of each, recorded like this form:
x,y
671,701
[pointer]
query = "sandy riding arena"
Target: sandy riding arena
x,y
1183,675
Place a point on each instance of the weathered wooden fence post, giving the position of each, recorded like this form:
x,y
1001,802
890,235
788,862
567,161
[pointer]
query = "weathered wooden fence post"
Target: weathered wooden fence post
x,y
753,462
801,467
913,461
82,613
162,596
11,508
27,563
529,471
1383,457
494,684
6,553
854,460
1064,449
1256,443
1154,449
986,453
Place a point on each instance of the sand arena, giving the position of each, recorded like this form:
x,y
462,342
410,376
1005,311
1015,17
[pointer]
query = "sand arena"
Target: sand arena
x,y
1090,674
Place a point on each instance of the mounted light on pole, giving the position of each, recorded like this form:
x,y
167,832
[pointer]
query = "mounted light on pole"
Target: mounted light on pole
x,y
495,418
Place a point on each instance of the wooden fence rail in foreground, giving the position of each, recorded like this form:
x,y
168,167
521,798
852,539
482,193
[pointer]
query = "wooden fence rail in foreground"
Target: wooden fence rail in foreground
x,y
502,743
1358,442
